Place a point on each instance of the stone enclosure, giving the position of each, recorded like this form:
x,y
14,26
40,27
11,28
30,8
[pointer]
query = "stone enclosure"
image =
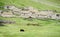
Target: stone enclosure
x,y
26,12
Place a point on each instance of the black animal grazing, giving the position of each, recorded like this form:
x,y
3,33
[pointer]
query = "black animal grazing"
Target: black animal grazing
x,y
21,30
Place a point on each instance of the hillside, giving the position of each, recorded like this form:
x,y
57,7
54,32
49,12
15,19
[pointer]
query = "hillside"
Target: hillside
x,y
29,27
55,1
22,3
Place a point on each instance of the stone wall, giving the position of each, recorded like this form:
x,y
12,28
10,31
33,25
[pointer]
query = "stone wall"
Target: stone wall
x,y
27,12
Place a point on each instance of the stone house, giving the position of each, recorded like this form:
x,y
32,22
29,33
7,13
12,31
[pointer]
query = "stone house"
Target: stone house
x,y
13,8
25,14
7,14
56,16
31,9
9,7
46,13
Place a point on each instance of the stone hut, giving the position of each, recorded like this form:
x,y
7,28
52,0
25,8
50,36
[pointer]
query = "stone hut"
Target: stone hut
x,y
56,16
25,14
9,7
7,14
31,9
46,13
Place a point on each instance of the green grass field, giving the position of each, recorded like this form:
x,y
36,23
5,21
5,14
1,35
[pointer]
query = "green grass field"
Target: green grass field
x,y
23,3
48,28
55,1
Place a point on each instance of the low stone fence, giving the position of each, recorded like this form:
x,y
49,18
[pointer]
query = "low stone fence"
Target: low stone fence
x,y
6,22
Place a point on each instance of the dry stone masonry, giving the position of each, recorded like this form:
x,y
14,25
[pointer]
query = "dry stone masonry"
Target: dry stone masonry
x,y
26,12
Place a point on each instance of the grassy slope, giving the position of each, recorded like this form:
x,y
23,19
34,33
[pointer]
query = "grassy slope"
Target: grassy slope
x,y
49,28
55,1
22,3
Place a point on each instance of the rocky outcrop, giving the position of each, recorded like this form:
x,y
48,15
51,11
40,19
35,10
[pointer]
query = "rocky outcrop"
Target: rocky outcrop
x,y
26,12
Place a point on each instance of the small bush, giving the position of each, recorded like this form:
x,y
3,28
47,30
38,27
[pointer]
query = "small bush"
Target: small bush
x,y
33,24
